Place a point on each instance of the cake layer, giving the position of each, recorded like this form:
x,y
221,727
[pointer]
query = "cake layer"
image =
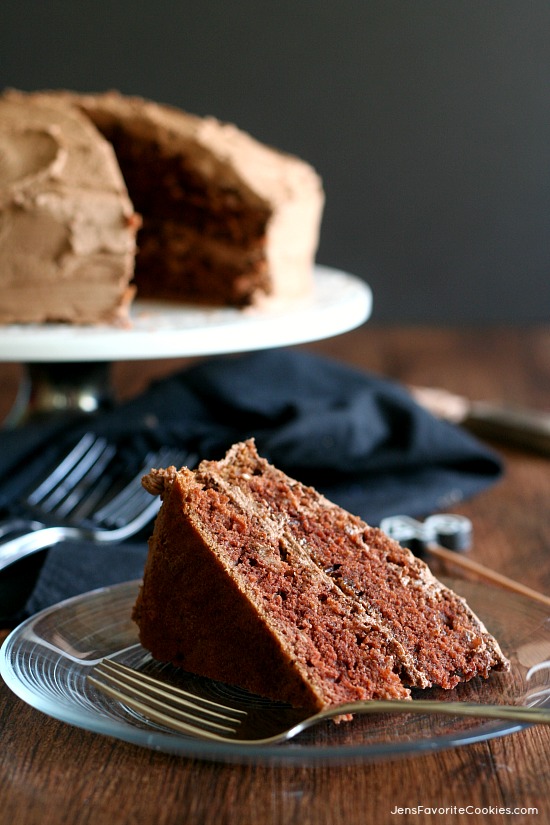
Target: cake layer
x,y
216,273
257,580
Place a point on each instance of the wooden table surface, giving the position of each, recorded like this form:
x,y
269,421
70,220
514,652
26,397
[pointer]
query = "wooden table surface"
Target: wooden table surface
x,y
51,773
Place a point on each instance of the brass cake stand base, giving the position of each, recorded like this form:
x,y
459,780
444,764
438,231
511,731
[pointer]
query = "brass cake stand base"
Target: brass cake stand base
x,y
49,390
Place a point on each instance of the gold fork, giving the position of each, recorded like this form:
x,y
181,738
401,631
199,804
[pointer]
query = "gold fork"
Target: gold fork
x,y
188,713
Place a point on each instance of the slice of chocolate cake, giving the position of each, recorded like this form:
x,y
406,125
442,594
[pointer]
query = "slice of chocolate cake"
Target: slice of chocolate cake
x,y
256,580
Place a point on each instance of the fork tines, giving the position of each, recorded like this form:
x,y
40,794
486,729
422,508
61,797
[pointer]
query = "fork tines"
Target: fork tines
x,y
79,471
165,704
91,486
116,511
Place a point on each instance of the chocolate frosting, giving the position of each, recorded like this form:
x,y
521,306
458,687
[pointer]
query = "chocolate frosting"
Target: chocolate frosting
x,y
66,221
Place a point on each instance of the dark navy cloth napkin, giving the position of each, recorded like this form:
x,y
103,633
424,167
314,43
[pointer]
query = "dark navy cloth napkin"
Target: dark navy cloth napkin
x,y
358,438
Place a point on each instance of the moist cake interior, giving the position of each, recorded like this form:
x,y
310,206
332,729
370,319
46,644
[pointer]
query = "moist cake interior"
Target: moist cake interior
x,y
191,225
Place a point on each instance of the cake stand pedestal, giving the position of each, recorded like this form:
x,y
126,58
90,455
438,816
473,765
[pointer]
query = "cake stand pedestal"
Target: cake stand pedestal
x,y
61,389
67,369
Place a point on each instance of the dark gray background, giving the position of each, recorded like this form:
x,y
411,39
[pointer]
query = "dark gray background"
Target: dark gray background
x,y
429,121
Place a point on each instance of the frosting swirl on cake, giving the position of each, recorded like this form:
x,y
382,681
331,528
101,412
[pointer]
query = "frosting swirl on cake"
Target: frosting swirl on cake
x,y
66,221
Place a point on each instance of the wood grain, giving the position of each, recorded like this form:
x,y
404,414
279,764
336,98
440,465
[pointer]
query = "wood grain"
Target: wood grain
x,y
52,774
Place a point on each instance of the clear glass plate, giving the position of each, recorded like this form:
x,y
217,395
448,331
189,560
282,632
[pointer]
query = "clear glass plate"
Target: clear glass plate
x,y
46,660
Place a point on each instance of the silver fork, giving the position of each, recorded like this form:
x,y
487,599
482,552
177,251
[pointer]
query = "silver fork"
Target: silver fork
x,y
188,713
50,500
81,500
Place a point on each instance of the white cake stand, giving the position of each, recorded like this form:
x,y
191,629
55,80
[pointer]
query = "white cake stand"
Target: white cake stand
x,y
67,368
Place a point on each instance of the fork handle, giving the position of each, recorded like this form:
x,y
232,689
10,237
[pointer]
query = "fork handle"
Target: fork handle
x,y
32,542
516,713
19,525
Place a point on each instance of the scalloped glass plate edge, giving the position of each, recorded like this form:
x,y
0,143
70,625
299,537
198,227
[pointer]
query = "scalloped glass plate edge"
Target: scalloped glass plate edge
x,y
45,660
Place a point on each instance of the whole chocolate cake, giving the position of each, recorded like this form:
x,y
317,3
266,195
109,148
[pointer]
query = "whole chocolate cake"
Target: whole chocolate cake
x,y
222,219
